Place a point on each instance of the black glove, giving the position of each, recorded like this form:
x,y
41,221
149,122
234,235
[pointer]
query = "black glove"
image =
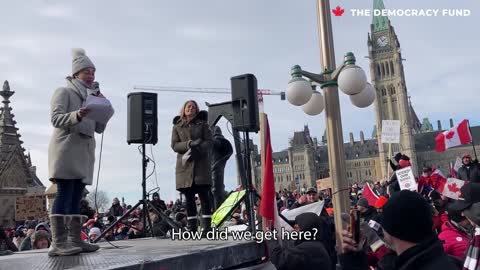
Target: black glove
x,y
195,143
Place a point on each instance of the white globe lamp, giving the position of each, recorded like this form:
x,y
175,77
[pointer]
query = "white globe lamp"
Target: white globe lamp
x,y
315,105
364,98
352,80
299,91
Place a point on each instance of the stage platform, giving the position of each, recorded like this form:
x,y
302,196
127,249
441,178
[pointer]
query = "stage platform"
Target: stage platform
x,y
145,254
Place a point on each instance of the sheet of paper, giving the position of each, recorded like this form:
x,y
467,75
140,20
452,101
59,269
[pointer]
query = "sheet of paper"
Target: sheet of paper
x,y
186,156
101,109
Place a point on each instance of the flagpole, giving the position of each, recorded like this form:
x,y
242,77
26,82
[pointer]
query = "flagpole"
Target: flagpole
x,y
473,143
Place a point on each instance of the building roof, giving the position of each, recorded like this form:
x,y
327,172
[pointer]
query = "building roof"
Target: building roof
x,y
416,124
10,144
280,157
301,138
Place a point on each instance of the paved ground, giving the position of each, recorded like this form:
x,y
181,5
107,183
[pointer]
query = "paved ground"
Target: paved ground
x,y
158,254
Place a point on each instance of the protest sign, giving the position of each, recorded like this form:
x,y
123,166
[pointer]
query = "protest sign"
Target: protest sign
x,y
390,131
30,207
406,180
324,183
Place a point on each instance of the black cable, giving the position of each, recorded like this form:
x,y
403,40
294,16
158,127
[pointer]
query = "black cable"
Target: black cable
x,y
98,172
154,167
149,159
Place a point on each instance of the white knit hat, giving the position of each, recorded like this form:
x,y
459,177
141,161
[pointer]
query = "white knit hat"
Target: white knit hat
x,y
94,231
80,61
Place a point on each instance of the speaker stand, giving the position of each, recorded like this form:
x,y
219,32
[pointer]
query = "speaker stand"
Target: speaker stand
x,y
145,204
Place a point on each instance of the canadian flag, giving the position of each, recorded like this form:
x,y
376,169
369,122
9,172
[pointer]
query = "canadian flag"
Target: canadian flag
x,y
455,136
438,180
453,188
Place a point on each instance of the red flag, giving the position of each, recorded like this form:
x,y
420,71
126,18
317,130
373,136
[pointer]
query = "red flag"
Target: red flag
x,y
268,202
369,194
455,136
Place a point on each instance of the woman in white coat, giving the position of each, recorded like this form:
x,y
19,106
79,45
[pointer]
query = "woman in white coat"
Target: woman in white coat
x,y
71,155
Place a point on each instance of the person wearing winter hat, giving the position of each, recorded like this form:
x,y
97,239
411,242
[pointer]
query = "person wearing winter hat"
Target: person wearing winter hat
x,y
455,233
27,243
19,235
469,204
303,253
367,212
158,203
71,155
94,233
393,185
407,227
40,239
470,170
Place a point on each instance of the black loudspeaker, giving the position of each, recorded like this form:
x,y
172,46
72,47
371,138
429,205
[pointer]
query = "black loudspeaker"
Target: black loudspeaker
x,y
245,103
142,118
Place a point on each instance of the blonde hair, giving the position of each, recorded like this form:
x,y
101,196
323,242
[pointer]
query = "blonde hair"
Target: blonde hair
x,y
182,111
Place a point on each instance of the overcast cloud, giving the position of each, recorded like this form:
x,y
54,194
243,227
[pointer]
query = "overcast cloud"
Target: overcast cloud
x,y
203,44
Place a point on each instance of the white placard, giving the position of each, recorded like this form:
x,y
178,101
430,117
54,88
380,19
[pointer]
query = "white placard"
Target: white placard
x,y
390,131
101,109
452,188
458,164
406,180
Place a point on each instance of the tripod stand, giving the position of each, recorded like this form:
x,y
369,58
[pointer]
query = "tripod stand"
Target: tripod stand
x,y
145,206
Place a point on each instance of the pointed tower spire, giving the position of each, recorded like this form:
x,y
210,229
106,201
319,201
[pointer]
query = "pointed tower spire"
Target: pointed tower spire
x,y
379,22
9,137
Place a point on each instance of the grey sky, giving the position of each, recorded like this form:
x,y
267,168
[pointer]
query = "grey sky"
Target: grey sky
x,y
203,44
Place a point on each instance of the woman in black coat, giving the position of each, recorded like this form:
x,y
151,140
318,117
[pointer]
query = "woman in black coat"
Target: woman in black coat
x,y
192,141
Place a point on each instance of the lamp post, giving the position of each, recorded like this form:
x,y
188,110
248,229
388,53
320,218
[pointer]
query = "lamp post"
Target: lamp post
x,y
352,80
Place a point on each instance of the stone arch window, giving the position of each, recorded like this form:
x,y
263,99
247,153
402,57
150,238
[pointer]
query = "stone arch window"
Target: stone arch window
x,y
383,69
387,70
384,92
392,70
378,70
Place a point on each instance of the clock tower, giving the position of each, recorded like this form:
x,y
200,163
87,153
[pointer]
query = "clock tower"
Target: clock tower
x,y
388,79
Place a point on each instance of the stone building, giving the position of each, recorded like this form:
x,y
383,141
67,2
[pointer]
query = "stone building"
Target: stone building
x,y
17,174
306,160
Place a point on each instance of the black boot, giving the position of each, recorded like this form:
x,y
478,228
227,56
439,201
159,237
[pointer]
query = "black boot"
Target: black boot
x,y
192,225
206,225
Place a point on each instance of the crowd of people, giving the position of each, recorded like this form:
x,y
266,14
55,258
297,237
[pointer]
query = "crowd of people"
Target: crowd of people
x,y
36,234
401,229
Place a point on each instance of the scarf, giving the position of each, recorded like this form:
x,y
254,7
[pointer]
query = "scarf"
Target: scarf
x,y
86,126
473,253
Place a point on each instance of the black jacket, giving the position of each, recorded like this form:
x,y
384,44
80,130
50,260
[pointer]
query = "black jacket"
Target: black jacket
x,y
428,255
116,210
159,205
371,213
470,174
301,255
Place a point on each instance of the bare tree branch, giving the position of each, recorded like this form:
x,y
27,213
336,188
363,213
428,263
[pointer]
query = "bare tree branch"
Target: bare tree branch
x,y
102,200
